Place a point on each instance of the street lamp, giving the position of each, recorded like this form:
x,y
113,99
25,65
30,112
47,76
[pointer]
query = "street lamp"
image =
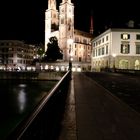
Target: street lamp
x,y
114,67
70,44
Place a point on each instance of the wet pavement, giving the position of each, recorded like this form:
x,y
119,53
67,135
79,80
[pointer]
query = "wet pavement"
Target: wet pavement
x,y
94,113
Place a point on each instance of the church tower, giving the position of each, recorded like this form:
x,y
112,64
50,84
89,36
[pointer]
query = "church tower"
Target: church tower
x,y
91,23
51,20
66,28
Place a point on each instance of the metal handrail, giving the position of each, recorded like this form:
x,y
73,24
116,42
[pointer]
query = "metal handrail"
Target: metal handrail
x,y
38,109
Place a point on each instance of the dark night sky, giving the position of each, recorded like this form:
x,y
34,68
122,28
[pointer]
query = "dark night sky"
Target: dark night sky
x,y
24,19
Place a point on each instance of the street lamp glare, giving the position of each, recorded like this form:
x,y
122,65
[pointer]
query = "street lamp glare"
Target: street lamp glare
x,y
70,41
114,55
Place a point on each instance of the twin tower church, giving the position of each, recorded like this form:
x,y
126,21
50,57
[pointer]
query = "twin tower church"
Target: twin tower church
x,y
75,44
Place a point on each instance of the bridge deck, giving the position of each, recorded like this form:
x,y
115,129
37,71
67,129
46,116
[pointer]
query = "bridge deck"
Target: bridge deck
x,y
92,113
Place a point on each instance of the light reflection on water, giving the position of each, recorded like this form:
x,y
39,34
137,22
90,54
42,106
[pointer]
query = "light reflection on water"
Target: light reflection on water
x,y
18,99
21,98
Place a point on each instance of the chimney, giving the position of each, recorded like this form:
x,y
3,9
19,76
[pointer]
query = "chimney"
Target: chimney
x,y
130,24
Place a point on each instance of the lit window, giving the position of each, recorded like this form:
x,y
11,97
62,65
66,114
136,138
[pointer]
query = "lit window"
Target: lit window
x,y
137,49
125,36
138,36
125,48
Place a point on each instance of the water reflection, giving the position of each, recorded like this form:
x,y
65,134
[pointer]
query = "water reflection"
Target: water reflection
x,y
21,98
17,100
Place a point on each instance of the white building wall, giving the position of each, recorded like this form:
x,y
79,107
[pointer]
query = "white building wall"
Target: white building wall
x,y
115,44
120,60
132,43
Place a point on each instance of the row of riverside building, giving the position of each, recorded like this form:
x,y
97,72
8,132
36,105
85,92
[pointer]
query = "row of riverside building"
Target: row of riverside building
x,y
114,48
15,54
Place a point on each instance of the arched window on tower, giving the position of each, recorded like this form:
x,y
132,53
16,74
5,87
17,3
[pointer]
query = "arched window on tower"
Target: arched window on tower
x,y
62,20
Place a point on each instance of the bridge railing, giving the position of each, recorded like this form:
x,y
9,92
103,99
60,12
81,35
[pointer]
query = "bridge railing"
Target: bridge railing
x,y
44,121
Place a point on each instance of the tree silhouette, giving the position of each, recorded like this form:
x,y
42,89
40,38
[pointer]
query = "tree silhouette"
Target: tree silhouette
x,y
53,51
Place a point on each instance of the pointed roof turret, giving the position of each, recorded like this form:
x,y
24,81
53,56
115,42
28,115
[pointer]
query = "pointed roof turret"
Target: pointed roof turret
x,y
66,1
52,4
91,23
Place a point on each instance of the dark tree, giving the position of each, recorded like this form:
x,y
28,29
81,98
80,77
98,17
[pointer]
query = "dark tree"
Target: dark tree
x,y
53,51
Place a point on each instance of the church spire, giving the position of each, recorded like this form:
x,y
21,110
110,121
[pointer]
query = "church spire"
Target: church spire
x,y
52,4
66,1
91,23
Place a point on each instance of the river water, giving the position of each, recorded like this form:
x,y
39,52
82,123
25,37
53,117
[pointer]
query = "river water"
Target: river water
x,y
17,100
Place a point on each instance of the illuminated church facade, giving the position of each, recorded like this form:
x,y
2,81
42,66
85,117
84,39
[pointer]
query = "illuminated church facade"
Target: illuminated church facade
x,y
75,44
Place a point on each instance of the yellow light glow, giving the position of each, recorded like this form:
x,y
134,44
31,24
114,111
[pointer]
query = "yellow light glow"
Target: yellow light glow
x,y
114,55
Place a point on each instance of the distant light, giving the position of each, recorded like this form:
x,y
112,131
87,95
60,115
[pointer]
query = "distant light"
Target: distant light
x,y
52,67
114,55
70,41
29,68
71,59
1,68
57,68
46,67
41,67
79,69
73,69
22,85
62,68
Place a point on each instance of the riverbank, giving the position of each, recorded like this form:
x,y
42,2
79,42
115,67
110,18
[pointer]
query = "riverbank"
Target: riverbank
x,y
31,75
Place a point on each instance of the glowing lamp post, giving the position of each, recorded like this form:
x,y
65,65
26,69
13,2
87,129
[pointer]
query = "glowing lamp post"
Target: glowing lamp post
x,y
70,43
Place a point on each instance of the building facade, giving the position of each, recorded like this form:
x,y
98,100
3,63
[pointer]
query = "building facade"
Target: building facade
x,y
75,44
116,48
15,54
